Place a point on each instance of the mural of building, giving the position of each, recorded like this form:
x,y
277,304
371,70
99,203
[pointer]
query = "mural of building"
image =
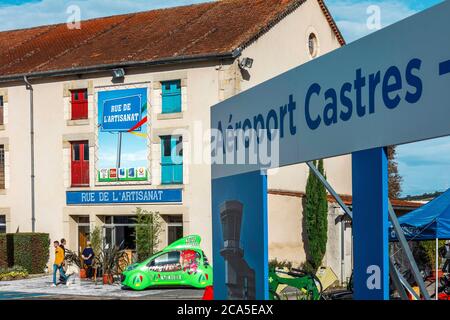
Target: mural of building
x,y
120,111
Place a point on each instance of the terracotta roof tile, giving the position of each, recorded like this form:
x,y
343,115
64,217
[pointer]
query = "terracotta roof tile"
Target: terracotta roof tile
x,y
348,199
217,27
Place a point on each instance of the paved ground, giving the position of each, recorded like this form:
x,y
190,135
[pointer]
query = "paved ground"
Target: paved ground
x,y
40,288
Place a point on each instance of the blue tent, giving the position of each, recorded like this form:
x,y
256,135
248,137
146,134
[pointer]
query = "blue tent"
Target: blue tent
x,y
429,222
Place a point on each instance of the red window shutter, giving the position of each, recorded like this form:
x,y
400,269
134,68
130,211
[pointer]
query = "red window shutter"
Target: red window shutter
x,y
85,164
80,164
79,104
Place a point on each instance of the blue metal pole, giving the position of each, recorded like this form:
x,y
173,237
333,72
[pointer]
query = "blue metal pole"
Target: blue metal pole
x,y
370,224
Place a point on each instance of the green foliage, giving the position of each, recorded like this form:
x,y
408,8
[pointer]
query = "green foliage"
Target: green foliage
x,y
148,230
14,273
28,250
111,260
73,259
3,251
395,179
275,264
316,219
96,239
307,266
425,196
430,250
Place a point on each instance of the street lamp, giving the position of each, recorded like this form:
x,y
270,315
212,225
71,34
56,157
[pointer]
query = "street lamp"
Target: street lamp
x,y
118,74
246,63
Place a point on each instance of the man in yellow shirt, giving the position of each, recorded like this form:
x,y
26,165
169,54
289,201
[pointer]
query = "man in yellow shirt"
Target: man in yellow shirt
x,y
57,264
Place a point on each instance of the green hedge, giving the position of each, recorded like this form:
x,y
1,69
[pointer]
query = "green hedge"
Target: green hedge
x,y
3,251
28,250
14,273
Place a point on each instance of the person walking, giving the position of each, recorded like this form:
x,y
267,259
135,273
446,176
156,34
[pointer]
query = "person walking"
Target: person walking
x,y
62,245
88,257
446,267
57,264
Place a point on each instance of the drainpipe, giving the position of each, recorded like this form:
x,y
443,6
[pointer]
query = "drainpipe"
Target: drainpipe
x,y
33,217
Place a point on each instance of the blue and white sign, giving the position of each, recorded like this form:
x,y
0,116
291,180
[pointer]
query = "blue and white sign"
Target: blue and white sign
x,y
391,87
121,114
124,197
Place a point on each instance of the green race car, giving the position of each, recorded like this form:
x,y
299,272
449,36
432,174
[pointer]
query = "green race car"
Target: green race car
x,y
183,263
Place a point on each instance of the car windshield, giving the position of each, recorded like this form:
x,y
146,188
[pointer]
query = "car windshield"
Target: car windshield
x,y
166,262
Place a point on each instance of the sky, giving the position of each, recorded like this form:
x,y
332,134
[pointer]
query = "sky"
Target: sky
x,y
425,166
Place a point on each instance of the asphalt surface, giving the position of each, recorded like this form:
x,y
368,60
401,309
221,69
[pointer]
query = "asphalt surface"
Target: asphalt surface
x,y
40,289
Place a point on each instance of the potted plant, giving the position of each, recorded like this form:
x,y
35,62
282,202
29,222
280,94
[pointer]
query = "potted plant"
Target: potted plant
x,y
112,261
83,273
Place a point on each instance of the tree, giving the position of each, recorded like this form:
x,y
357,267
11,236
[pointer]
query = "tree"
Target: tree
x,y
96,239
148,229
395,179
316,219
430,251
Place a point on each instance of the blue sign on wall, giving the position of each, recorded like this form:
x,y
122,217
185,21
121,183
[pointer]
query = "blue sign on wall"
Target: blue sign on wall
x,y
240,237
121,114
123,196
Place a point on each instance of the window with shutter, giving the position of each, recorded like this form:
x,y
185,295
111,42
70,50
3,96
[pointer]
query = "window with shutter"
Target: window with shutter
x,y
79,104
171,96
172,160
80,164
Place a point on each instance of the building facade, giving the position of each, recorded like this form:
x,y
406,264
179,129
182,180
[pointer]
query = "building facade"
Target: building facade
x,y
67,174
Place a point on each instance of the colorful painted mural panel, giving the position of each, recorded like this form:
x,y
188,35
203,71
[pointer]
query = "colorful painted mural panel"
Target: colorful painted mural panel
x,y
122,136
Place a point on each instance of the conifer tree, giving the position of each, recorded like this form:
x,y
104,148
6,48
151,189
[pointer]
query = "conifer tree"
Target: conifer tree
x,y
316,218
395,179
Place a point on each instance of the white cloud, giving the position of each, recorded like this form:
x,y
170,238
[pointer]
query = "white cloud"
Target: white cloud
x,y
108,158
425,166
141,155
430,152
55,11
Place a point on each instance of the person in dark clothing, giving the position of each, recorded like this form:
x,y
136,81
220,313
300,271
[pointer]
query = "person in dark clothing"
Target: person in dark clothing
x,y
88,258
62,244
